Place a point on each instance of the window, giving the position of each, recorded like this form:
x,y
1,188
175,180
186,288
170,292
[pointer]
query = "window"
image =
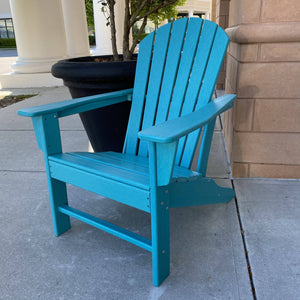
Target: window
x,y
200,14
182,15
6,29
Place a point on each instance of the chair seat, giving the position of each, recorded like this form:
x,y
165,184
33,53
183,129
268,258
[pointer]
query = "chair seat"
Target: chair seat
x,y
125,168
128,171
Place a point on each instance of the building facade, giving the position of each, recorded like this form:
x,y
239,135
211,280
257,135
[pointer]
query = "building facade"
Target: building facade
x,y
6,22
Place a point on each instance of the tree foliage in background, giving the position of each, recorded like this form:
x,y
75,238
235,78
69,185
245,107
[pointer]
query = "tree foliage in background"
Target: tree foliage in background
x,y
137,10
89,13
165,13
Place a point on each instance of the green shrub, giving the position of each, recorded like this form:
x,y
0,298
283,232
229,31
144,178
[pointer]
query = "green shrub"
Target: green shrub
x,y
7,43
92,40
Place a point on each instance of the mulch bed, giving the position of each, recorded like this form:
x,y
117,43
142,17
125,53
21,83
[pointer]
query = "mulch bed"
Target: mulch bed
x,y
8,100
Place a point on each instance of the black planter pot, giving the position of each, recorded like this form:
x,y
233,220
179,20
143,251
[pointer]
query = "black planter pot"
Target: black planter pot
x,y
87,76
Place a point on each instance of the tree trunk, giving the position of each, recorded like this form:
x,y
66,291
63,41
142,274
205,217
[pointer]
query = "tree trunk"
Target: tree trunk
x,y
111,4
135,41
126,52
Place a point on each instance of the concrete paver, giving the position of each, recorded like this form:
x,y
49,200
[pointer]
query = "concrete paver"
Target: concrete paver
x,y
11,121
26,155
217,166
269,211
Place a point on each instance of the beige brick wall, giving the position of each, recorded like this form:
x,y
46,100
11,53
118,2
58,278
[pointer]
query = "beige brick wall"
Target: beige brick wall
x,y
213,10
262,132
221,14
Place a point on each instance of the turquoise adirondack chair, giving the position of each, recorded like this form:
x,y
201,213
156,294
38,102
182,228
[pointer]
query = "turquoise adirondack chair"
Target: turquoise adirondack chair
x,y
177,69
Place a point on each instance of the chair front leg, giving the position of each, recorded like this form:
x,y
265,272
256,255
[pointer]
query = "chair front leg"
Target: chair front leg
x,y
161,163
48,137
160,229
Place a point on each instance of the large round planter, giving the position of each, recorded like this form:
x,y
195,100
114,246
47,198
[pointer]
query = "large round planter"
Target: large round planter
x,y
87,76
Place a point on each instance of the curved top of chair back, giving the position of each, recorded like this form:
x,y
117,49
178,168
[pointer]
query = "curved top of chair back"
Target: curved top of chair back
x,y
177,69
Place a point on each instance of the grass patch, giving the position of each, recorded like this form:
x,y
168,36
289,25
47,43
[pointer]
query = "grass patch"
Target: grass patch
x,y
8,100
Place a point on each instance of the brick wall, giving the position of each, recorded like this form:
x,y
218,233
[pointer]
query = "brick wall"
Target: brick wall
x,y
221,17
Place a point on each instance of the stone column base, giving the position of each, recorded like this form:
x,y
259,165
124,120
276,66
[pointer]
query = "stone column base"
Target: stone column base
x,y
30,66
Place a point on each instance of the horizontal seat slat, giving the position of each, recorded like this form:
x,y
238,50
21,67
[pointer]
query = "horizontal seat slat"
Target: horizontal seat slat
x,y
142,163
96,167
127,168
124,162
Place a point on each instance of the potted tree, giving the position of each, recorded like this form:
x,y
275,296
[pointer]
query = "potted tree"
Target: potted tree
x,y
85,76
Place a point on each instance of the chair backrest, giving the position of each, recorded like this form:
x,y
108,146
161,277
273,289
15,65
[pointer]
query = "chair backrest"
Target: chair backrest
x,y
177,69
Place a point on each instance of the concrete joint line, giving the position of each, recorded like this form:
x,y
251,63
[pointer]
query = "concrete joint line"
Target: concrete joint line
x,y
245,246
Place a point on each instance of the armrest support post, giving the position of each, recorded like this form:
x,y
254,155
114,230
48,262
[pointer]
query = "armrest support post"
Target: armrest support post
x,y
205,147
47,134
161,160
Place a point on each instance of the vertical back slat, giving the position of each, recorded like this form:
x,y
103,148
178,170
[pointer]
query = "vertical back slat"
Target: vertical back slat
x,y
139,92
155,80
195,82
211,75
200,63
171,69
213,68
186,62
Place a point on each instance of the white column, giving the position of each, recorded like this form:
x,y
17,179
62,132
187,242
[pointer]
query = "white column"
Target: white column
x,y
191,13
40,34
102,32
76,28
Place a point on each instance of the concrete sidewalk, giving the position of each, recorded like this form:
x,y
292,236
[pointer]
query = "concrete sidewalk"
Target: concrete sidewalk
x,y
7,58
214,249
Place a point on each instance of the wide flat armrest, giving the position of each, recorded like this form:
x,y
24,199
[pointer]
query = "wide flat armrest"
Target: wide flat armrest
x,y
172,130
74,106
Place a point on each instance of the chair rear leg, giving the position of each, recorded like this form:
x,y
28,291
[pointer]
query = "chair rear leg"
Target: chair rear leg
x,y
58,196
160,226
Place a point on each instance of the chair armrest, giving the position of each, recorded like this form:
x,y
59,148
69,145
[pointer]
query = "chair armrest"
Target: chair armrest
x,y
74,106
172,130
